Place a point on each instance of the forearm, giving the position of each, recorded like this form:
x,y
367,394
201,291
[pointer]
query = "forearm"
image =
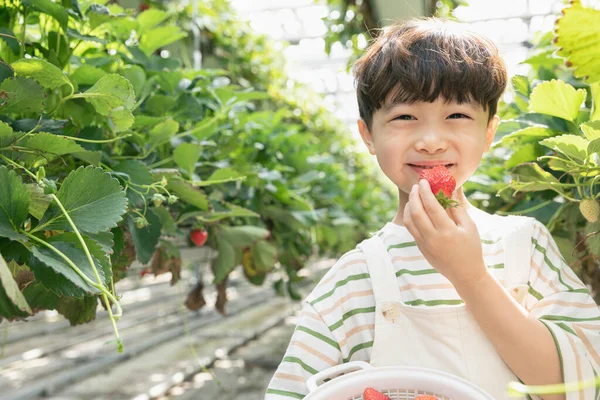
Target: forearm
x,y
525,344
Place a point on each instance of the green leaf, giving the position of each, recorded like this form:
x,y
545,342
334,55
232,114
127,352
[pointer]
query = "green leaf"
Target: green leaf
x,y
593,241
137,174
78,311
525,153
72,33
14,204
573,146
595,89
527,135
58,276
136,76
150,19
558,99
12,302
186,155
225,261
521,85
120,119
162,132
166,220
87,75
52,145
55,10
591,130
159,37
96,250
39,297
6,71
212,216
145,239
111,91
46,74
188,194
578,35
264,255
530,177
39,201
94,200
11,40
243,236
594,146
21,95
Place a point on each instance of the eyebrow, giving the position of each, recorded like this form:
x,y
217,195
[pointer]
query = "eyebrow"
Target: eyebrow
x,y
388,107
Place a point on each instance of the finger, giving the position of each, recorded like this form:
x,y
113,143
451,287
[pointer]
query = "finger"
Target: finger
x,y
418,213
459,214
409,223
438,216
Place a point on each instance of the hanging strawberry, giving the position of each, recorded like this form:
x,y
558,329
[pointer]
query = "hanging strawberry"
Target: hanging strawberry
x,y
199,237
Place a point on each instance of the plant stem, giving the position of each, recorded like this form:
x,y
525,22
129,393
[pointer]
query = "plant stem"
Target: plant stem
x,y
536,207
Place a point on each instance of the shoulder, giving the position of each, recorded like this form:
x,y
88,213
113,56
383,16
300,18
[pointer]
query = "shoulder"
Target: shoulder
x,y
351,266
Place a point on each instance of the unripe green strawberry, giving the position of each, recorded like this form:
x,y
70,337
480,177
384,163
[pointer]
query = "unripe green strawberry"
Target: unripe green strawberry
x,y
158,199
590,209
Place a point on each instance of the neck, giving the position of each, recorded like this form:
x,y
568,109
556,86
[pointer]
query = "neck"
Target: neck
x,y
403,199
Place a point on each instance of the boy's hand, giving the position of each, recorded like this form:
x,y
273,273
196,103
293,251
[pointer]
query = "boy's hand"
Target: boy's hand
x,y
448,239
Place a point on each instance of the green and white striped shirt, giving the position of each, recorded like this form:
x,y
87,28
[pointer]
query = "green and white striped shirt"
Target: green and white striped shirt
x,y
337,322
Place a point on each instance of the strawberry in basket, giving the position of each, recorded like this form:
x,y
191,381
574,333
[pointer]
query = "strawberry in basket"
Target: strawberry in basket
x,y
372,394
426,397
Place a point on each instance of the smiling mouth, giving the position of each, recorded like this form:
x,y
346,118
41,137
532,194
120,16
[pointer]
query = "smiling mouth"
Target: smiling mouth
x,y
430,166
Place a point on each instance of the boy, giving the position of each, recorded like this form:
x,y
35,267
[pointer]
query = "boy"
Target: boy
x,y
428,93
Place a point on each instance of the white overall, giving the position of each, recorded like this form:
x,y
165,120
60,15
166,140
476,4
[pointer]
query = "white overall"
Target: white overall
x,y
445,338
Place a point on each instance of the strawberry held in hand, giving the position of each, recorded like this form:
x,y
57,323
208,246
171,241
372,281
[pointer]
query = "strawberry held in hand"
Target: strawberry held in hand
x,y
372,394
442,184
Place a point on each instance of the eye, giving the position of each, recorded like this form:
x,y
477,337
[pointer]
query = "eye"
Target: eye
x,y
405,117
458,116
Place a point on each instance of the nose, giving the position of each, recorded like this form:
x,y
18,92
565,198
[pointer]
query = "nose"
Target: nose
x,y
431,142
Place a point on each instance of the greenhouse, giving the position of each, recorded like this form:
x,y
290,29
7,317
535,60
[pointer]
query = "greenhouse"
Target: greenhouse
x,y
300,199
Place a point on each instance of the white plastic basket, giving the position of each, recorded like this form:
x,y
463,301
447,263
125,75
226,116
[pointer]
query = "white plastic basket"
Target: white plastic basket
x,y
398,383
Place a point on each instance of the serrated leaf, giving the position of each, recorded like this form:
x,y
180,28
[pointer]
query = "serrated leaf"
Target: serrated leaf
x,y
595,89
578,35
55,10
94,200
525,153
87,75
530,177
78,311
160,37
557,98
163,131
120,119
39,201
186,155
6,71
521,85
39,297
594,146
136,76
166,220
591,130
98,15
225,261
14,204
111,91
137,173
52,145
46,74
58,276
12,302
149,19
526,135
11,40
573,146
21,95
264,255
145,239
188,194
243,236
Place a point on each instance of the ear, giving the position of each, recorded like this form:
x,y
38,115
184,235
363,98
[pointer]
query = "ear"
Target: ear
x,y
490,132
366,135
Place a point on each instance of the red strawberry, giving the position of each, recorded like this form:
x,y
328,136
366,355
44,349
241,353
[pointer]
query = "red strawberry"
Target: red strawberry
x,y
145,272
442,184
199,237
372,394
426,397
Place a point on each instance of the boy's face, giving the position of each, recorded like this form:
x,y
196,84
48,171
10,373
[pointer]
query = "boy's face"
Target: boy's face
x,y
407,137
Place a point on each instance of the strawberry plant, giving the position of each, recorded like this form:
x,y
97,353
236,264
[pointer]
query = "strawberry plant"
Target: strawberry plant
x,y
550,143
111,144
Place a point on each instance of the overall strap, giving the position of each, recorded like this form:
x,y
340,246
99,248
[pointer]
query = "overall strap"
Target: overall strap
x,y
381,270
517,251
